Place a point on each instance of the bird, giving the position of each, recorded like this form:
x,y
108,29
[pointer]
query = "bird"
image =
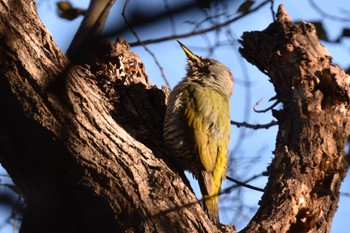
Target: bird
x,y
197,125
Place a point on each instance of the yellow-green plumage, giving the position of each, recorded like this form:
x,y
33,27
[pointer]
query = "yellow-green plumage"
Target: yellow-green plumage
x,y
197,125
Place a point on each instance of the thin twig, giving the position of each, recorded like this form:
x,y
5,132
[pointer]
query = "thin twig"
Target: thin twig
x,y
188,34
144,45
172,21
324,14
254,126
272,10
208,18
239,183
345,194
242,134
264,110
15,212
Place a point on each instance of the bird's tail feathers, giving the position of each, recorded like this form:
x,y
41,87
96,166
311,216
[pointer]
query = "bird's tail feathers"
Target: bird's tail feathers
x,y
210,204
210,196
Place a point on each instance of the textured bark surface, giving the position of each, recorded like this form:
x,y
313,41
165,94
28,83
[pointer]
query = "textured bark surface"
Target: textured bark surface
x,y
304,177
84,143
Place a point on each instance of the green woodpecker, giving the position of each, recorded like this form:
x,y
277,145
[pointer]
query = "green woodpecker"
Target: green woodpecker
x,y
197,125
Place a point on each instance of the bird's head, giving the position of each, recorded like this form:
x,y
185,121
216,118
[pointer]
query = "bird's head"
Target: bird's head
x,y
208,72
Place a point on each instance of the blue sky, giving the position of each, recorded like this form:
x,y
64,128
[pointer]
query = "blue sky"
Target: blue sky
x,y
248,145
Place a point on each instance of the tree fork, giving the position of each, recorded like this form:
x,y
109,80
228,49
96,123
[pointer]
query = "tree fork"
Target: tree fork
x,y
84,143
305,176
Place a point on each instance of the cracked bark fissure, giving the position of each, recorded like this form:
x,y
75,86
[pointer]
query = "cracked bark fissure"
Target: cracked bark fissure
x,y
304,177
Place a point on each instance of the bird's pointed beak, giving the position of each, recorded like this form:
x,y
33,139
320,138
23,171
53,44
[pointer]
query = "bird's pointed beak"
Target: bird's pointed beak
x,y
191,56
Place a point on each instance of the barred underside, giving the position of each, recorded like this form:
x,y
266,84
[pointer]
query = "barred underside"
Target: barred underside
x,y
177,137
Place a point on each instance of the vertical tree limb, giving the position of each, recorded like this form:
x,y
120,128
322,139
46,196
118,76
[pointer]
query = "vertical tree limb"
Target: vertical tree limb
x,y
304,177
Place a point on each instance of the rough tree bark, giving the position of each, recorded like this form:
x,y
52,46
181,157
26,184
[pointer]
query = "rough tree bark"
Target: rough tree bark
x,y
84,143
304,177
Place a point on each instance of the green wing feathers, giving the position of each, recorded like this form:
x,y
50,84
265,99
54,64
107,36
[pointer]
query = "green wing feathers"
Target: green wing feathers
x,y
207,115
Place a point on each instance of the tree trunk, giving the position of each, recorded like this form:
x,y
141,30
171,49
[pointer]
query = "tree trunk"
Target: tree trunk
x,y
84,143
304,177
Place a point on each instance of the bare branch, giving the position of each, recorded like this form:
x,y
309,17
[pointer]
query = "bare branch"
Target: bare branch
x,y
144,45
345,194
239,183
272,10
172,21
324,14
254,126
264,110
188,34
91,25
